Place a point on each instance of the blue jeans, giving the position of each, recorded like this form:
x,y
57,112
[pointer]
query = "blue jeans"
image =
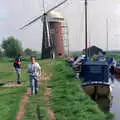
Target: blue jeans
x,y
18,71
33,84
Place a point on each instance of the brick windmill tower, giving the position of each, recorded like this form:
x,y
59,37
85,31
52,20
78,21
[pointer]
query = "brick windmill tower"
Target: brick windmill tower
x,y
52,42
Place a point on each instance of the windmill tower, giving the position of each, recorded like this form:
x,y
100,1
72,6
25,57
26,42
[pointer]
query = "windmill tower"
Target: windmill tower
x,y
56,20
52,42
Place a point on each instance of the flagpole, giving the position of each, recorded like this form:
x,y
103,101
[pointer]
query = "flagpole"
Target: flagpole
x,y
107,34
86,37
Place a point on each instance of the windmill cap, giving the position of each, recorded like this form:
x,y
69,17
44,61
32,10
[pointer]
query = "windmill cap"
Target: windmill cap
x,y
55,16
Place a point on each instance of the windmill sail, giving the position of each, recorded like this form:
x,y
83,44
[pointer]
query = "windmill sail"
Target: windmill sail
x,y
31,22
48,32
48,47
56,6
43,14
46,44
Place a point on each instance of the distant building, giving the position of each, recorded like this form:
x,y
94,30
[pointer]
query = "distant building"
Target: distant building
x,y
93,50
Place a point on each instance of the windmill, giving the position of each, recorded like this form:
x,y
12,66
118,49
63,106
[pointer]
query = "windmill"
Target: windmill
x,y
48,46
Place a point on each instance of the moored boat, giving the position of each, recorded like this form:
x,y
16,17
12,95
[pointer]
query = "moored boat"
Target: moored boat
x,y
96,79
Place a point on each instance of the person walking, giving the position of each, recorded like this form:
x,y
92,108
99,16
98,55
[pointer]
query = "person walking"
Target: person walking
x,y
34,70
17,66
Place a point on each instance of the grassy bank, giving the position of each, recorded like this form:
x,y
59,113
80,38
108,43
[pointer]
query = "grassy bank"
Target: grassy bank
x,y
68,100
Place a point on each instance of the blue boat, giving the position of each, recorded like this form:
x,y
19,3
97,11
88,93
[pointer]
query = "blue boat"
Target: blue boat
x,y
96,79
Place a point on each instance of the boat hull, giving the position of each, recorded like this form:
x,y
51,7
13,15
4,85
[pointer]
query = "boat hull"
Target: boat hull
x,y
117,73
96,90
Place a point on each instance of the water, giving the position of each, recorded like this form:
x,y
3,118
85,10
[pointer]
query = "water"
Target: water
x,y
113,104
115,108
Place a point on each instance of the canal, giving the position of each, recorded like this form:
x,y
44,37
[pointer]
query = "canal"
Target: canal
x,y
111,105
115,107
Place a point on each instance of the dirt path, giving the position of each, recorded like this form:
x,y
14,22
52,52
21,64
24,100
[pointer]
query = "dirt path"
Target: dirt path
x,y
45,77
47,94
24,102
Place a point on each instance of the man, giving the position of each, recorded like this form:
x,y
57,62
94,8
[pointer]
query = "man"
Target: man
x,y
77,65
17,66
34,70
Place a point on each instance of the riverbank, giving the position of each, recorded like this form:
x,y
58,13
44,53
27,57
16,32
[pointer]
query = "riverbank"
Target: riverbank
x,y
68,100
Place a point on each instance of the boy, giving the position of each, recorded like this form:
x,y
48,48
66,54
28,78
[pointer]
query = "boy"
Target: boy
x,y
34,71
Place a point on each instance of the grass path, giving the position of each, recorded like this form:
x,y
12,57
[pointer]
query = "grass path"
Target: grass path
x,y
47,92
22,109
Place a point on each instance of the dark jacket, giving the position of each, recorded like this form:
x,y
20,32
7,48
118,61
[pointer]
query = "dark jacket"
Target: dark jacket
x,y
17,62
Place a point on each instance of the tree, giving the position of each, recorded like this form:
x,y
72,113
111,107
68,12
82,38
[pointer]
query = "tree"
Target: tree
x,y
1,52
28,52
35,53
12,47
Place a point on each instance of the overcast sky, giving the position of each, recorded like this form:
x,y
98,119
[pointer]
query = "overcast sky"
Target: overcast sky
x,y
15,13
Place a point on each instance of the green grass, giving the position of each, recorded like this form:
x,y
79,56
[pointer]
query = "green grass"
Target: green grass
x,y
115,55
8,73
10,102
10,97
37,107
68,100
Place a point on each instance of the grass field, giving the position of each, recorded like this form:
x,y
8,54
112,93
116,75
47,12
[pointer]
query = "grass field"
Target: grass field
x,y
10,102
67,100
10,97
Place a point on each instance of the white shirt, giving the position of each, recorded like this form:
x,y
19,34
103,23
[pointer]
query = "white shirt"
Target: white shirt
x,y
34,69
